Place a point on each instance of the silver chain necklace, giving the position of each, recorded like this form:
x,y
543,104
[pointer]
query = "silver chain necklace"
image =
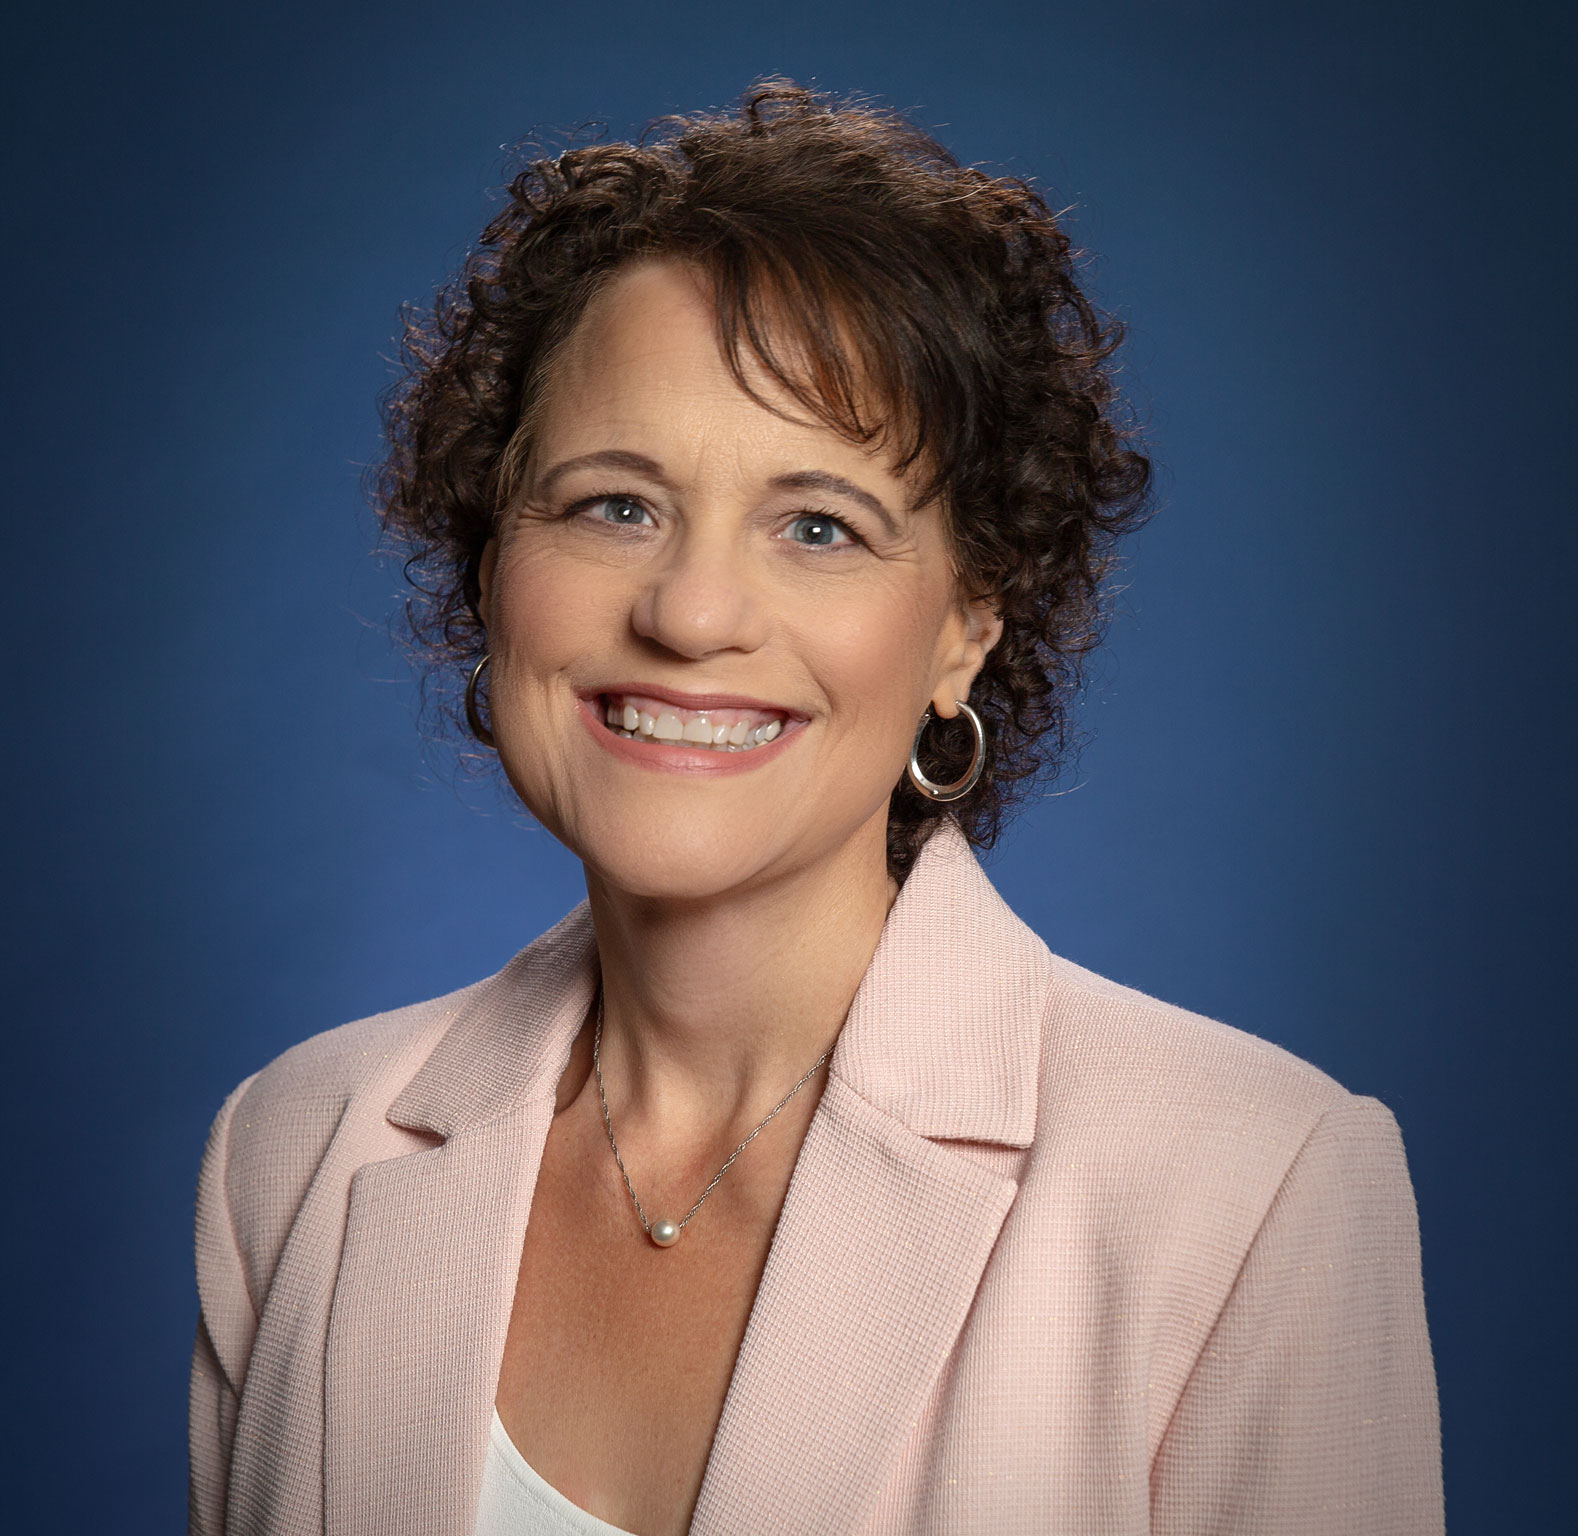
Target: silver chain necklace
x,y
666,1233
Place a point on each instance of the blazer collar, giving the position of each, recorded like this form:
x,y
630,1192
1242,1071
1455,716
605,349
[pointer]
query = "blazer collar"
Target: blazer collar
x,y
943,1033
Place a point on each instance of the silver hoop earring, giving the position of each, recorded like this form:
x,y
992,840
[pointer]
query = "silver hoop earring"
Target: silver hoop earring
x,y
960,787
473,715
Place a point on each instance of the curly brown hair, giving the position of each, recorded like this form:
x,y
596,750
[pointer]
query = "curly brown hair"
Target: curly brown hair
x,y
901,298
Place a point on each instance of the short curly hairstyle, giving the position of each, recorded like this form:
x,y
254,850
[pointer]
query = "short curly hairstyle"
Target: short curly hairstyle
x,y
899,297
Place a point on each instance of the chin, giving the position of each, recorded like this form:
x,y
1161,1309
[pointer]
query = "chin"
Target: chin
x,y
674,868
694,846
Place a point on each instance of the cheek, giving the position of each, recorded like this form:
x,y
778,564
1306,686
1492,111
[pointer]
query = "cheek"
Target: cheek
x,y
876,659
543,611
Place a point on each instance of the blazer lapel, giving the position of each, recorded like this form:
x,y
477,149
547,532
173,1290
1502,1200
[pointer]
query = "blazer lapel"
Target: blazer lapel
x,y
886,1230
881,1245
432,1249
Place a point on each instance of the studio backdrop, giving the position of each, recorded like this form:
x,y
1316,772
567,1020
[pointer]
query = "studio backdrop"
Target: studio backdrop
x,y
1325,783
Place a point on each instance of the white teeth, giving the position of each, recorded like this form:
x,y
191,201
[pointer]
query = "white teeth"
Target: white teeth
x,y
698,729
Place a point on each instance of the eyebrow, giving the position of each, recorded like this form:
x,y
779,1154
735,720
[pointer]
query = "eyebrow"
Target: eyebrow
x,y
797,480
607,458
836,485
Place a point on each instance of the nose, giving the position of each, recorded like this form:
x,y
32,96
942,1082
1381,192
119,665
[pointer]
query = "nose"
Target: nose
x,y
699,598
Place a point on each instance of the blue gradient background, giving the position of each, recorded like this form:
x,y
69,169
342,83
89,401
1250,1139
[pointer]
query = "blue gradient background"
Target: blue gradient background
x,y
1324,799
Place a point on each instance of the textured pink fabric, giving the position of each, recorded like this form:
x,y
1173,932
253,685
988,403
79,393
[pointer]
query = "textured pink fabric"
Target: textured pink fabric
x,y
1056,1258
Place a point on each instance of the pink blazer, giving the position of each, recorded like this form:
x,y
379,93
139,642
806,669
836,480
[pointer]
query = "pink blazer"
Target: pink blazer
x,y
1056,1258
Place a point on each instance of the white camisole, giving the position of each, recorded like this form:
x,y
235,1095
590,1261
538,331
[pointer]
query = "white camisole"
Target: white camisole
x,y
517,1501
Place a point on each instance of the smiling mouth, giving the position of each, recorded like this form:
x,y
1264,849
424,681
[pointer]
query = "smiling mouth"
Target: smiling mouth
x,y
638,718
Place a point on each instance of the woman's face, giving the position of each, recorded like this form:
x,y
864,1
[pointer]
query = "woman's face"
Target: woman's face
x,y
713,631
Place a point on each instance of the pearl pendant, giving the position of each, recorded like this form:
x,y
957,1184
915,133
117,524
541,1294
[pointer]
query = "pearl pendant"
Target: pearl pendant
x,y
665,1233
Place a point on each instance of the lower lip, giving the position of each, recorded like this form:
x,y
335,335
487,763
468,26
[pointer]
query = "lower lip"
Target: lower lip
x,y
677,756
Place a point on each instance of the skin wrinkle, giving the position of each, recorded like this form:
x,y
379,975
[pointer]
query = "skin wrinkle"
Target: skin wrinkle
x,y
802,480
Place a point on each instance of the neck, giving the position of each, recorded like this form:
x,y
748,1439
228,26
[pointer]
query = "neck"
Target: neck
x,y
714,1009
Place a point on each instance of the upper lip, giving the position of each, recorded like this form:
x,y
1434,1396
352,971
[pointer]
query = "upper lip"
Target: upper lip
x,y
700,702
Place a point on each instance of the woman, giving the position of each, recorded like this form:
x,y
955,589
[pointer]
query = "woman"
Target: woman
x,y
760,480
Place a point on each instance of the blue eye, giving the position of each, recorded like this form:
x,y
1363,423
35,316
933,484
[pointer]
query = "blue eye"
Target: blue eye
x,y
622,511
822,530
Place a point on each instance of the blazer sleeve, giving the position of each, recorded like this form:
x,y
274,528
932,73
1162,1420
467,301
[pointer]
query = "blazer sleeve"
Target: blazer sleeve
x,y
227,1321
1312,1408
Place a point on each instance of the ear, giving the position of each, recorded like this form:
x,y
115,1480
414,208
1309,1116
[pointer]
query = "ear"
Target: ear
x,y
485,569
977,626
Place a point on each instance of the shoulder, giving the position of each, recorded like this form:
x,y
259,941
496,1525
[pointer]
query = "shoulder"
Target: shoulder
x,y
287,1112
321,1110
276,1128
1137,1052
1183,1130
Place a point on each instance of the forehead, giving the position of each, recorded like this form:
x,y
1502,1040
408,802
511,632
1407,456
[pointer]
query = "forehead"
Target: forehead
x,y
646,361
